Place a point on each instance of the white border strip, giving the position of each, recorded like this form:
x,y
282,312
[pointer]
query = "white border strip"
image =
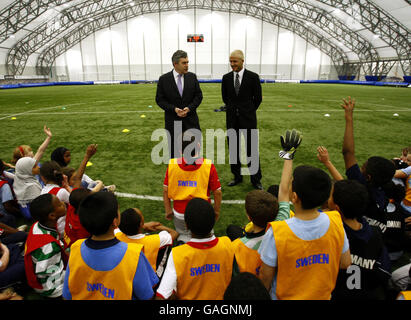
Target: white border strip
x,y
153,198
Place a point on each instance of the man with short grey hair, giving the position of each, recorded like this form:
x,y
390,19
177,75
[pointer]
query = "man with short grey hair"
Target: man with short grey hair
x,y
179,94
242,94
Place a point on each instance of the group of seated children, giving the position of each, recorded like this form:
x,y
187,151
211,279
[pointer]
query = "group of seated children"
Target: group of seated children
x,y
309,238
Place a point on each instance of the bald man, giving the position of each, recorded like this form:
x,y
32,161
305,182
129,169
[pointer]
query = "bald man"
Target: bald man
x,y
241,93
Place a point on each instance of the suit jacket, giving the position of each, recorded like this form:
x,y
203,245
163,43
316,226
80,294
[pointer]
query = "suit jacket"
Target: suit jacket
x,y
241,109
168,98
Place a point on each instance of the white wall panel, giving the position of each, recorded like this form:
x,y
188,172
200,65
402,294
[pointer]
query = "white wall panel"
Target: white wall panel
x,y
285,53
253,44
298,65
312,63
120,51
152,52
135,29
221,43
238,29
103,53
141,48
187,26
269,51
169,37
75,63
203,49
89,59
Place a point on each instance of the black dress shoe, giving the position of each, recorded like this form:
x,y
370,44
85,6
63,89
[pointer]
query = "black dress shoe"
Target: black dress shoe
x,y
234,182
258,186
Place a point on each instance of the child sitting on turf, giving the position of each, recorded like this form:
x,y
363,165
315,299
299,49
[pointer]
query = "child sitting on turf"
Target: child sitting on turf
x,y
44,256
102,267
56,183
406,175
73,229
9,208
26,151
202,268
374,174
26,186
71,173
156,246
62,156
311,238
367,249
395,237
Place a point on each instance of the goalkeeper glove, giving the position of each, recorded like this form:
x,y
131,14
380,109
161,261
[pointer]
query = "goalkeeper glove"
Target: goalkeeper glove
x,y
289,143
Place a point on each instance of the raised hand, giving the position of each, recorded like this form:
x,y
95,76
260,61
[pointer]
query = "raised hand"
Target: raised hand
x,y
47,131
289,143
323,155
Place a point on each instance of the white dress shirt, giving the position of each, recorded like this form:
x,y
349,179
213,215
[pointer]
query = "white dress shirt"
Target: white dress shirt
x,y
240,78
175,74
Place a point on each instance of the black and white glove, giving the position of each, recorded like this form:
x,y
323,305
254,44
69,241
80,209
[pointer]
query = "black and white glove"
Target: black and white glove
x,y
290,142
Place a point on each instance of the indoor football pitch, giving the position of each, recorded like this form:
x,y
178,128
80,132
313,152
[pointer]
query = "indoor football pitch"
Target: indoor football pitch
x,y
81,115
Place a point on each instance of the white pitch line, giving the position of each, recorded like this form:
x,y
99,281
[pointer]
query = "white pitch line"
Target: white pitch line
x,y
153,198
29,113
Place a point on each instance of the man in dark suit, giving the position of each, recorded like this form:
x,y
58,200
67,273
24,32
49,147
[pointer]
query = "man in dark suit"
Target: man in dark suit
x,y
241,93
179,95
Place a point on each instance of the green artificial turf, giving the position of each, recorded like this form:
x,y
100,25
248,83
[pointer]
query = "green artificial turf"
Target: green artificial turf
x,y
80,115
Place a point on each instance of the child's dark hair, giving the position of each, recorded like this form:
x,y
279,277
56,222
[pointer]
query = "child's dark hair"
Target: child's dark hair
x,y
76,196
246,286
351,197
52,172
261,207
274,189
381,170
394,191
130,222
41,207
2,166
199,217
68,171
97,212
58,156
312,186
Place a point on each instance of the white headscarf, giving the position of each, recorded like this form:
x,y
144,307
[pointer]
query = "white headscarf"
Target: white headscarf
x,y
26,187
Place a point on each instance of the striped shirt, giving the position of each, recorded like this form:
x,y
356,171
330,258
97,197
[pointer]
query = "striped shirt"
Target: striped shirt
x,y
48,264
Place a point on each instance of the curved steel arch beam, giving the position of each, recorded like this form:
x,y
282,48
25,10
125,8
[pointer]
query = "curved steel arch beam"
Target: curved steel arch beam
x,y
74,21
380,22
48,56
328,23
20,13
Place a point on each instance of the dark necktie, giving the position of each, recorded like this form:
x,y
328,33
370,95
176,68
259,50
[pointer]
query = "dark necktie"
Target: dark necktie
x,y
237,84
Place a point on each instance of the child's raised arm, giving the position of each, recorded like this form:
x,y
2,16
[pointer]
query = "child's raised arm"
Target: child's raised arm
x,y
289,143
91,151
44,145
324,157
348,149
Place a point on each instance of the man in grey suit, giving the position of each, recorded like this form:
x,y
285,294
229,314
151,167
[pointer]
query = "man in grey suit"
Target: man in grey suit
x,y
179,95
241,93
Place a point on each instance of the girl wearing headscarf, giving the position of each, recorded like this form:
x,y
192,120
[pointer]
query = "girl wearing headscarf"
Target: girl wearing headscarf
x,y
26,186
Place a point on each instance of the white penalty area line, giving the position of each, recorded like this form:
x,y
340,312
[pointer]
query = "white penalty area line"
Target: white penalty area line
x,y
153,198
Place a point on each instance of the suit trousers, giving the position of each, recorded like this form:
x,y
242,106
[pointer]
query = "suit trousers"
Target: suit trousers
x,y
252,153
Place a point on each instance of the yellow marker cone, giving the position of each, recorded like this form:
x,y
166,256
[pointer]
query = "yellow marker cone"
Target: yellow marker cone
x,y
89,164
13,118
126,130
142,116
